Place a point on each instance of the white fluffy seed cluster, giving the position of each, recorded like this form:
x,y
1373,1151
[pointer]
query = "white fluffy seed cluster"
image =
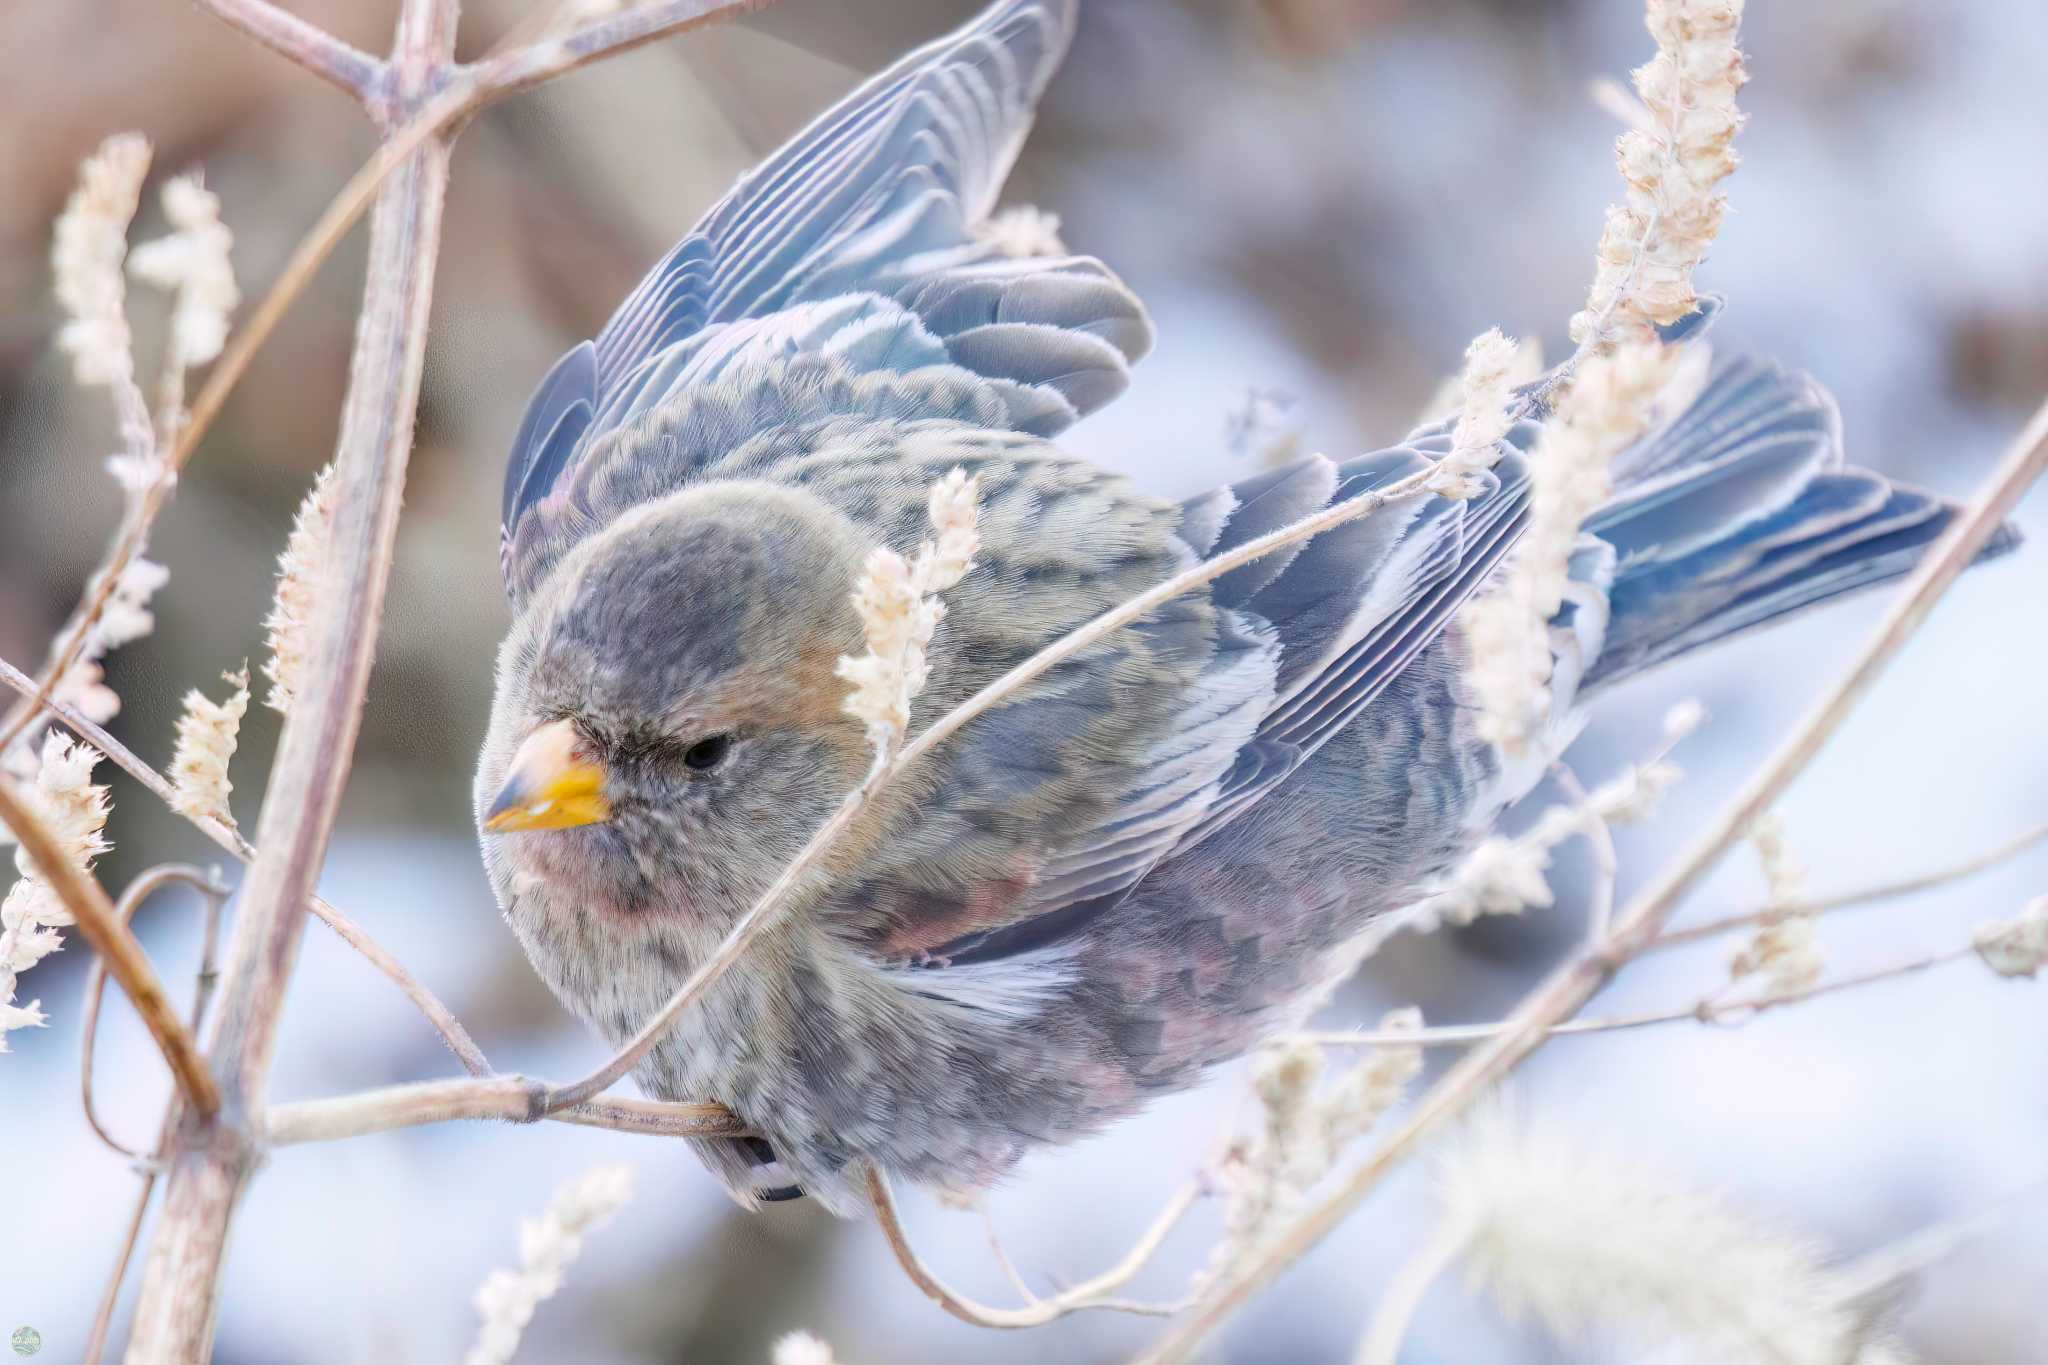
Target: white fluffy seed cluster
x,y
1304,1127
1784,952
1503,876
75,813
802,1348
192,264
1582,1240
90,244
1610,402
547,1245
899,609
301,577
2017,946
1484,387
1653,241
207,734
1022,232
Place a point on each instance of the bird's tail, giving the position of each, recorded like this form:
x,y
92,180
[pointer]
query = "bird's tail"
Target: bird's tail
x,y
1740,513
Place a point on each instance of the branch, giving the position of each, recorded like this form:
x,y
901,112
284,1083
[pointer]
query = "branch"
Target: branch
x,y
776,898
513,1099
110,938
1707,1010
1862,895
175,1316
320,52
1092,1294
230,840
494,77
1567,991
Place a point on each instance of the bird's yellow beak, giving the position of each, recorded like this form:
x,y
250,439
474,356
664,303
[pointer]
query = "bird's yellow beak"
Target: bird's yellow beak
x,y
551,785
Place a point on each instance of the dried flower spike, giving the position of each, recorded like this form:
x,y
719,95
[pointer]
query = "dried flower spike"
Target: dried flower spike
x,y
301,576
1654,240
192,264
1784,951
207,734
75,813
547,1245
1610,402
1484,388
90,244
899,609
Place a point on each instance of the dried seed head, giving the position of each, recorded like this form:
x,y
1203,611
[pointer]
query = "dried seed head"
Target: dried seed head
x,y
301,578
207,735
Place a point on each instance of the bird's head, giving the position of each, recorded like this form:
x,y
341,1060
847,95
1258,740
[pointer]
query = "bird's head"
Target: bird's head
x,y
668,728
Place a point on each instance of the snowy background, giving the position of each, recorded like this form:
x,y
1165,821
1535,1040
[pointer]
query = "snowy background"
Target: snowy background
x,y
1323,197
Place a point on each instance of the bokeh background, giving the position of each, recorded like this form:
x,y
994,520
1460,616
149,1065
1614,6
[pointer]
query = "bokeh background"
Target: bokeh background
x,y
1322,198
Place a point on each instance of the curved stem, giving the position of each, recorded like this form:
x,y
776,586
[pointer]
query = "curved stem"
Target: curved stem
x,y
1405,1293
212,895
1089,1295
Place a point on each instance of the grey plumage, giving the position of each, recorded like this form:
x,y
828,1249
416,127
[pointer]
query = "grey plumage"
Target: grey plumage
x,y
1159,851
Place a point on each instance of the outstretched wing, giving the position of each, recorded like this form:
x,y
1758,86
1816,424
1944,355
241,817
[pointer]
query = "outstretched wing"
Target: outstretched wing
x,y
859,244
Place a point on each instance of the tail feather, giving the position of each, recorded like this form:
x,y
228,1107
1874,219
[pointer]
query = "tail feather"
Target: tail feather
x,y
1741,513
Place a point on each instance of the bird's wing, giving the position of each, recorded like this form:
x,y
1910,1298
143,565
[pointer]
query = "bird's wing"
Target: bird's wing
x,y
1141,750
860,246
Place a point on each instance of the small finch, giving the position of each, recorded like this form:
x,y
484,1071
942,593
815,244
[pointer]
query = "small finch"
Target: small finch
x,y
1154,855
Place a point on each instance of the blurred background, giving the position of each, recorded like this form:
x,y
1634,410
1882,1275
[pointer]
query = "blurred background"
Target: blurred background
x,y
1320,199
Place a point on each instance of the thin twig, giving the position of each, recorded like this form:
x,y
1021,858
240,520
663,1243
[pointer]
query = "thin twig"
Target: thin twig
x,y
212,895
1567,990
110,938
1863,895
307,45
1708,1010
512,1099
1090,1295
524,67
1406,1291
453,1034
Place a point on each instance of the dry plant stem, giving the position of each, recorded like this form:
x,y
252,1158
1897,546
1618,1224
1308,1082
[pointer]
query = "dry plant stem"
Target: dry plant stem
x,y
110,938
212,895
1711,1010
1405,1293
776,898
1091,1294
320,52
1568,989
180,1293
497,76
513,1099
1606,862
1862,895
230,840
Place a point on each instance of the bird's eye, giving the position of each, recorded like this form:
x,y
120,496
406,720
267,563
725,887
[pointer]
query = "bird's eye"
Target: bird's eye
x,y
707,753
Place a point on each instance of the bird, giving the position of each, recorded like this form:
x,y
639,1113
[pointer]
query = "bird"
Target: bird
x,y
1157,854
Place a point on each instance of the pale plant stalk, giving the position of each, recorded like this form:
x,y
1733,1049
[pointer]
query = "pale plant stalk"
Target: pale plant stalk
x,y
1572,985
